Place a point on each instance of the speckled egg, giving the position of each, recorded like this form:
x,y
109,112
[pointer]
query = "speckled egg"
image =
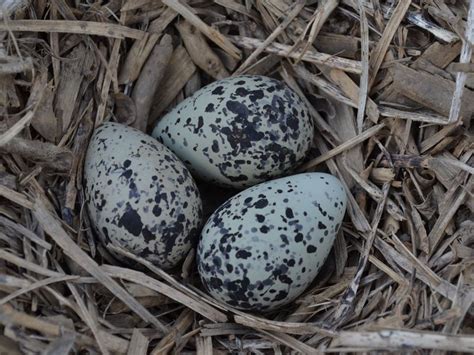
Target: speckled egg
x,y
239,131
140,196
263,247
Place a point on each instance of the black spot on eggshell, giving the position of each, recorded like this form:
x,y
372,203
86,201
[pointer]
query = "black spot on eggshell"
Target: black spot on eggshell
x,y
242,254
131,221
262,203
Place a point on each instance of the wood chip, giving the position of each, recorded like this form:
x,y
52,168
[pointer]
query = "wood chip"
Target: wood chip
x,y
418,86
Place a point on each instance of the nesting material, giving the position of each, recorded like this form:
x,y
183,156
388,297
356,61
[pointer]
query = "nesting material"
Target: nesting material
x,y
388,86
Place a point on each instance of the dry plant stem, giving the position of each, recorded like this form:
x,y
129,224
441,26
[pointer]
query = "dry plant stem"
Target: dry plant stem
x,y
214,35
150,79
20,262
110,70
426,117
325,86
310,56
16,128
77,27
212,329
347,301
200,52
51,226
237,7
418,19
47,154
343,147
291,342
380,50
320,16
454,198
35,285
427,161
466,54
431,141
297,7
377,194
9,316
25,232
141,49
184,321
88,320
403,340
309,302
364,78
351,90
286,327
410,263
15,197
181,294
462,304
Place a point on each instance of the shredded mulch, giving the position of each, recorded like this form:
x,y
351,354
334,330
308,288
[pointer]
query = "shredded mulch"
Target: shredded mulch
x,y
390,87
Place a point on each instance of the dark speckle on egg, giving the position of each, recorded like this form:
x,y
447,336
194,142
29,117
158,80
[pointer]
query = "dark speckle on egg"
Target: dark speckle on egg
x,y
140,196
239,131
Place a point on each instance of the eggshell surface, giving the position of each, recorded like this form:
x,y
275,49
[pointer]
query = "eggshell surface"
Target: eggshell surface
x,y
263,247
239,131
140,196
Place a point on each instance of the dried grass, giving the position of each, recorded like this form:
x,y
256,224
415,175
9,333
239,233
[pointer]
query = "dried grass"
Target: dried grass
x,y
388,87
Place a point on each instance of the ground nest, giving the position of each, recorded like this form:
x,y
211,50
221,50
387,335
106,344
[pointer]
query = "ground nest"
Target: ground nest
x,y
390,88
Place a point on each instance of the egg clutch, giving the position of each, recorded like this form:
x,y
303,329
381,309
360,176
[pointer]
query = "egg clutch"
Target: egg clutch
x,y
261,248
